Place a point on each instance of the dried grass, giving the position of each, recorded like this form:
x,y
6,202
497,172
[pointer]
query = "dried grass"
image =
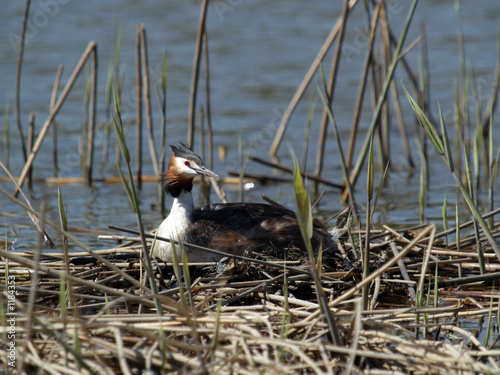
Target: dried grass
x,y
250,318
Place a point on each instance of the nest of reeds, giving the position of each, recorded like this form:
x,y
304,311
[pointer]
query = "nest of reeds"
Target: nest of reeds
x,y
96,313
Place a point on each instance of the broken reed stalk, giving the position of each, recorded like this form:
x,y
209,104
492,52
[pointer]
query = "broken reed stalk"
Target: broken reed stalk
x,y
381,98
331,89
138,110
362,86
147,99
196,72
305,82
36,147
92,117
17,104
53,99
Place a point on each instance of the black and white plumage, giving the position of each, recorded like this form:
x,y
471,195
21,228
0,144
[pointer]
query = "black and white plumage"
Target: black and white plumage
x,y
229,227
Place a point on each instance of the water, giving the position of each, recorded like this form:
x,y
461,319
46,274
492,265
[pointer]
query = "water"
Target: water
x,y
259,53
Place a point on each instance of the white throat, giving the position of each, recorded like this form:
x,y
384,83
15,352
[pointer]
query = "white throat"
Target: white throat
x,y
175,224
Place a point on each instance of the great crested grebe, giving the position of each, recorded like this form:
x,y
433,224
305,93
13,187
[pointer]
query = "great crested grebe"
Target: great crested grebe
x,y
229,227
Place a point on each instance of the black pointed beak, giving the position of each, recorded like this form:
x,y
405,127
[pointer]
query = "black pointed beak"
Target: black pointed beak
x,y
206,172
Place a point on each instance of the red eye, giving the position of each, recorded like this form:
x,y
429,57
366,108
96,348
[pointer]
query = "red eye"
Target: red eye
x,y
187,163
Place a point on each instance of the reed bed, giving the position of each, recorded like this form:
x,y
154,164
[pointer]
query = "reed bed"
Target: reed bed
x,y
259,314
391,301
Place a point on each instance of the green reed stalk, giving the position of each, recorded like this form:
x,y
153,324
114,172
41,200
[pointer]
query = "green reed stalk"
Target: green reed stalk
x,y
243,166
424,178
443,147
131,192
470,185
382,96
367,61
491,186
307,133
138,109
114,81
285,319
217,324
305,220
366,253
328,105
444,215
63,218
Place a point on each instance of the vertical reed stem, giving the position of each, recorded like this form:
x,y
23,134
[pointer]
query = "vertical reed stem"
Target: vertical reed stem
x,y
196,72
362,87
381,99
31,136
92,116
207,94
17,104
303,85
53,99
331,88
147,100
138,112
6,133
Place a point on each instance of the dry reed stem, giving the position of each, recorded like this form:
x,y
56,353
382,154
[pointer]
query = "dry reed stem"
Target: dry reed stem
x,y
331,89
138,108
36,147
196,72
147,98
305,82
362,85
17,104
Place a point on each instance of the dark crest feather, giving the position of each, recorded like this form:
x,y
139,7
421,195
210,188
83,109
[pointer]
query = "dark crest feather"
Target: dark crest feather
x,y
183,151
